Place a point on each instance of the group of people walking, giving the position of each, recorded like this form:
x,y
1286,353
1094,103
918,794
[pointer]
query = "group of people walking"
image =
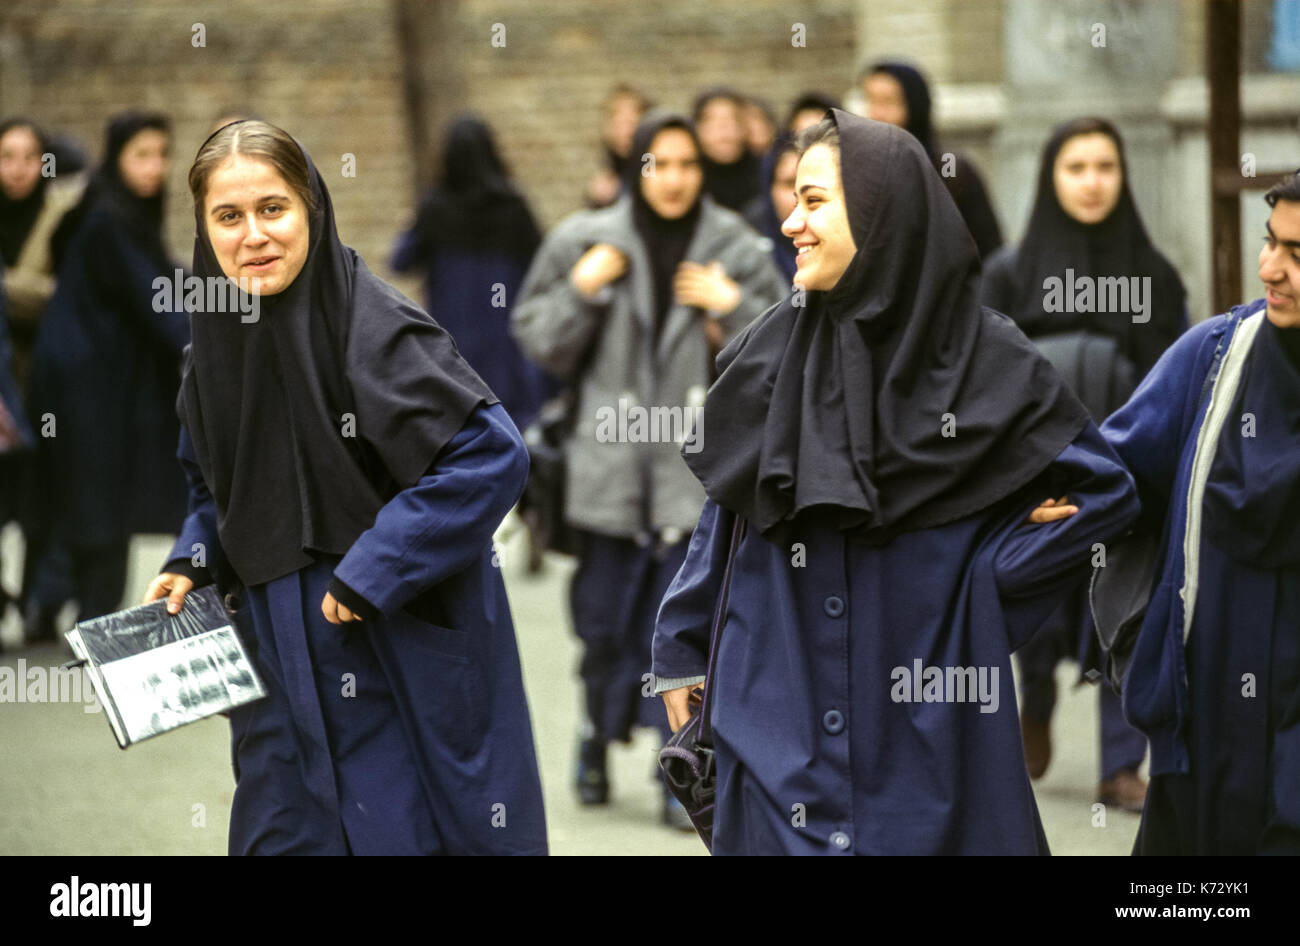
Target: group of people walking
x,y
810,382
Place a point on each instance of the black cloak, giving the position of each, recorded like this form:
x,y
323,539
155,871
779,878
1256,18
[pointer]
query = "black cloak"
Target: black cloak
x,y
475,206
307,420
839,407
962,180
1117,246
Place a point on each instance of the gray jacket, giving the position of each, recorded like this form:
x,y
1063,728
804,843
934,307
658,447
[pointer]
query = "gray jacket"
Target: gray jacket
x,y
635,407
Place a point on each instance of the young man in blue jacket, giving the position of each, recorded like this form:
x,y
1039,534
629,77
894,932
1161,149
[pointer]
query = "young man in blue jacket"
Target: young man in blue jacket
x,y
1212,437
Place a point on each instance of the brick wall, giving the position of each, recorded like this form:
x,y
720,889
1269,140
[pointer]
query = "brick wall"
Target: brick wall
x,y
331,72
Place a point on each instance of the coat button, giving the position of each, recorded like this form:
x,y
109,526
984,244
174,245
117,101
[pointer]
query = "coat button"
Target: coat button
x,y
833,721
833,606
841,841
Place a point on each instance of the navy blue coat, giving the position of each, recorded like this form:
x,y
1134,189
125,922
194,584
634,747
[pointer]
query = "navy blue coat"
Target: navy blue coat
x,y
10,396
1240,748
828,738
459,293
107,367
409,734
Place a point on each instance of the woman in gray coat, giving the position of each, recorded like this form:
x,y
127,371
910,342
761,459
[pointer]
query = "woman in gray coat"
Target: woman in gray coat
x,y
630,304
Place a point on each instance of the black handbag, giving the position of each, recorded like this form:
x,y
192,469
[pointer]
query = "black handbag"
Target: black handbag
x,y
687,759
1119,594
547,440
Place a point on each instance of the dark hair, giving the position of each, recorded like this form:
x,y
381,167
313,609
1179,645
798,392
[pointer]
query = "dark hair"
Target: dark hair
x,y
825,132
1286,189
9,124
257,139
808,101
717,92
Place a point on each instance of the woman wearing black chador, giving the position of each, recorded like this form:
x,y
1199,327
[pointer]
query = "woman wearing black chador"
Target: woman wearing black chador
x,y
1085,235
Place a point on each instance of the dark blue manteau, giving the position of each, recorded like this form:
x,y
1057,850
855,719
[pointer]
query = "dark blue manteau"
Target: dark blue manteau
x,y
106,371
408,734
827,741
1222,710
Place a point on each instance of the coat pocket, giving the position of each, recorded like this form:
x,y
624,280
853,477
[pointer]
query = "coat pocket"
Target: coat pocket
x,y
444,685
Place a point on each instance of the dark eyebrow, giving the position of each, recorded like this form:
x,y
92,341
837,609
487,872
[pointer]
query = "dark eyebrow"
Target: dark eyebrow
x,y
806,186
260,200
1290,244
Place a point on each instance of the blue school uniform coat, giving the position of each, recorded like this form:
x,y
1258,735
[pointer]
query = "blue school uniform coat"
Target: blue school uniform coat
x,y
826,740
1239,744
408,734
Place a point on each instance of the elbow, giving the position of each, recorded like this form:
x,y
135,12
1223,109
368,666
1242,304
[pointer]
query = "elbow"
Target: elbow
x,y
511,463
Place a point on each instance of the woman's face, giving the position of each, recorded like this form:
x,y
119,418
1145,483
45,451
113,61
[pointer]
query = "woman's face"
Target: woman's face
x,y
885,99
622,115
257,224
673,188
783,183
144,161
20,162
819,224
722,130
1087,177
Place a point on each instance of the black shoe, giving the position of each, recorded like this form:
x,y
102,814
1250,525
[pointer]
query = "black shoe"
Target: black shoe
x,y
592,783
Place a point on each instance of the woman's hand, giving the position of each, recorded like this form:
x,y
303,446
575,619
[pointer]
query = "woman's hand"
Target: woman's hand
x,y
706,287
1051,510
597,268
337,613
171,586
678,703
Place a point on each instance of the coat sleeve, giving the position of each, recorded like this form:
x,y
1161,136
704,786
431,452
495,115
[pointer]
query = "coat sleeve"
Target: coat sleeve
x,y
761,287
681,638
1148,432
553,323
1036,565
198,540
441,525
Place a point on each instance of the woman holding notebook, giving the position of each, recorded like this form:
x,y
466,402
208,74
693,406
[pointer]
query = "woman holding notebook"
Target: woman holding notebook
x,y
347,469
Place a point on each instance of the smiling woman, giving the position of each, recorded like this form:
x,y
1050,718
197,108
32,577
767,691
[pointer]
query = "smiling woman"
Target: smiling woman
x,y
347,469
256,203
882,442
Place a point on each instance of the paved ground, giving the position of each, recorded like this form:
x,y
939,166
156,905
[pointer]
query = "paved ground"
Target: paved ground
x,y
65,787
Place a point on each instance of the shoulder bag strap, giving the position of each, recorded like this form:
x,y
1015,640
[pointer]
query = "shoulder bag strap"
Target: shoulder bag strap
x,y
719,619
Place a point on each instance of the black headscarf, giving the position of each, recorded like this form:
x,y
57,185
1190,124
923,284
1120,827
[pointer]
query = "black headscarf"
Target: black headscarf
x,y
836,408
17,217
916,92
142,217
268,403
475,206
1117,246
666,241
1252,495
731,185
